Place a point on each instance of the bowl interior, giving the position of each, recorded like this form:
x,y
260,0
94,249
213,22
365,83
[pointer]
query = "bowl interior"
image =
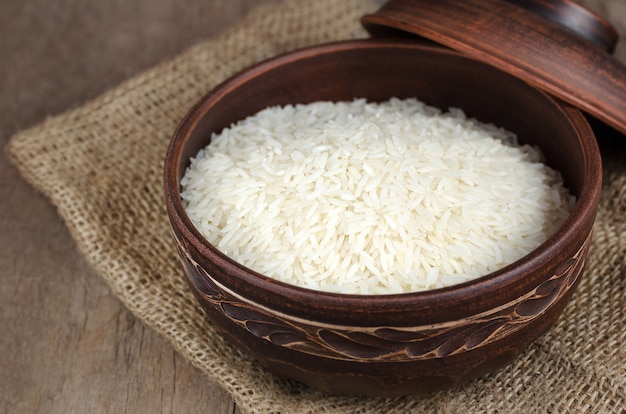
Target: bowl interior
x,y
379,69
438,77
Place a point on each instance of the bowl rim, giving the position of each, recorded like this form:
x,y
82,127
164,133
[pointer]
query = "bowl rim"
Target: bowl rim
x,y
508,280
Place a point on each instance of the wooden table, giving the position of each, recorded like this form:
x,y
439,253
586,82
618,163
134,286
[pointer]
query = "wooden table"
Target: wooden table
x,y
67,344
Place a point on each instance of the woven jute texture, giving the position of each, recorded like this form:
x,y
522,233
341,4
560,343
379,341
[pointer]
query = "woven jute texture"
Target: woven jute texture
x,y
101,166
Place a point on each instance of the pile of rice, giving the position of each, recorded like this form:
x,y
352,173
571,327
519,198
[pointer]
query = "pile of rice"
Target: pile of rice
x,y
372,198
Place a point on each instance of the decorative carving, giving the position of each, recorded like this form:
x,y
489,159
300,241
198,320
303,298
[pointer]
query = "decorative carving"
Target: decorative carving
x,y
385,343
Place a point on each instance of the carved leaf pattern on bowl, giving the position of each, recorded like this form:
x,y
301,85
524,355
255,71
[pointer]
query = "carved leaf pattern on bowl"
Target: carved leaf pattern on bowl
x,y
384,343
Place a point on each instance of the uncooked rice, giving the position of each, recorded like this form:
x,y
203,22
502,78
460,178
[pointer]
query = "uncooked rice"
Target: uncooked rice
x,y
372,198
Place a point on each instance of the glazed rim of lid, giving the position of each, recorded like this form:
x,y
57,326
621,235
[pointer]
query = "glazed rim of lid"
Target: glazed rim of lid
x,y
576,18
557,46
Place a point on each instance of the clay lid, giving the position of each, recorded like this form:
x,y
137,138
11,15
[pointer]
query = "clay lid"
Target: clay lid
x,y
556,45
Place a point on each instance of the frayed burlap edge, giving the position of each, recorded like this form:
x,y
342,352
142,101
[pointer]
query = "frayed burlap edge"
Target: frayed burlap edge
x,y
100,165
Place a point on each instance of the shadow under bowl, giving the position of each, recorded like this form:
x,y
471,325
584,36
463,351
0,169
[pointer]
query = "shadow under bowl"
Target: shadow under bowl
x,y
389,345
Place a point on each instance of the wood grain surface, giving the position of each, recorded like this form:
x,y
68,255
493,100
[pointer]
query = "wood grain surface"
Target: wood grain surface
x,y
67,344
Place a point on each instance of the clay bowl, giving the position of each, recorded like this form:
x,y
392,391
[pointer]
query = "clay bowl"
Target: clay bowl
x,y
390,345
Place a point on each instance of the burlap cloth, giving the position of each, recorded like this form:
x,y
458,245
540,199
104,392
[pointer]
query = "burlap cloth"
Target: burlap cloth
x,y
101,166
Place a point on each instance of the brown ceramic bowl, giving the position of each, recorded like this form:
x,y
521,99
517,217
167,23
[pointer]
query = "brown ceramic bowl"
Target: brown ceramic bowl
x,y
389,345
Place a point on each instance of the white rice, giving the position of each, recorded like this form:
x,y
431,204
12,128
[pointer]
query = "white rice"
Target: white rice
x,y
372,198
